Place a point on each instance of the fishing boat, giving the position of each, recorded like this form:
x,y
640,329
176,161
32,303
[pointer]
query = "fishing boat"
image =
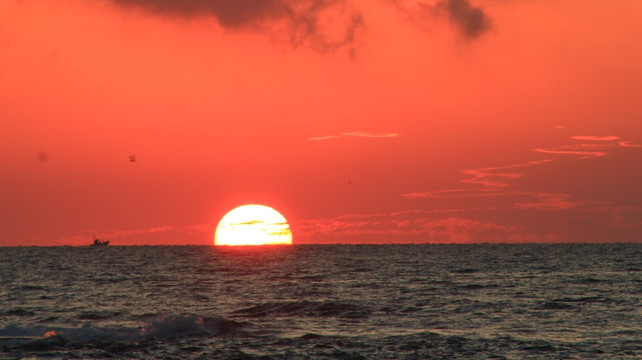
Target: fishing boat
x,y
98,242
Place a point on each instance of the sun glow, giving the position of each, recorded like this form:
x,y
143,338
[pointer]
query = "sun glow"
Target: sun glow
x,y
253,225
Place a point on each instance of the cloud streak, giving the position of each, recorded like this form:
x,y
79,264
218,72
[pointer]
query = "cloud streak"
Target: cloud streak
x,y
547,201
496,176
358,134
583,154
496,181
430,226
628,144
595,138
453,193
520,199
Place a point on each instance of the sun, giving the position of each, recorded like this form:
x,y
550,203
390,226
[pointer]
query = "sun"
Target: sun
x,y
253,225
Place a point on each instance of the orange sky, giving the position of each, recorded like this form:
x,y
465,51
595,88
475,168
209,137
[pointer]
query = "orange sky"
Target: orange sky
x,y
360,121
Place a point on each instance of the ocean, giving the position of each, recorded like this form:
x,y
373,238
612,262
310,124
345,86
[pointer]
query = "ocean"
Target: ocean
x,y
527,301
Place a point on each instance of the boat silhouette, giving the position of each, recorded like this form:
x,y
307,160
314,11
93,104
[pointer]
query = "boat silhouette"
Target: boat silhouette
x,y
98,242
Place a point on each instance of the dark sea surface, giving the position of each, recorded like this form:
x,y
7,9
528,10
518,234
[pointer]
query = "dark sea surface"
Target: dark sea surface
x,y
323,302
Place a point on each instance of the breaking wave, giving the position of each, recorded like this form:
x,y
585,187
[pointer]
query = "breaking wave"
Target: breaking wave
x,y
162,327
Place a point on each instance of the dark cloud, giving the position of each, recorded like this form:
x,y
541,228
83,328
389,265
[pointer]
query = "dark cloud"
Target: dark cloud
x,y
250,222
323,25
234,14
472,21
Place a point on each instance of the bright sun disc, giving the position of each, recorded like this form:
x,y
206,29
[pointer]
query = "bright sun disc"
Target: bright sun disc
x,y
253,225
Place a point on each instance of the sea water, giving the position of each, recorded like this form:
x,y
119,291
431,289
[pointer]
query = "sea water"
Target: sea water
x,y
571,301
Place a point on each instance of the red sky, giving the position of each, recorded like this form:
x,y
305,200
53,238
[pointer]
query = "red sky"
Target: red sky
x,y
360,121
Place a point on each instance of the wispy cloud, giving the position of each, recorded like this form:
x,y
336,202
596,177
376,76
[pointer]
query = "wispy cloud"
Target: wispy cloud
x,y
627,216
596,148
628,144
520,199
498,176
548,201
582,153
490,176
595,138
429,226
453,193
251,222
497,205
359,134
499,181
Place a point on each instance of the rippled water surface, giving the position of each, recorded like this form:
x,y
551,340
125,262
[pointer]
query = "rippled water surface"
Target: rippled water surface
x,y
323,302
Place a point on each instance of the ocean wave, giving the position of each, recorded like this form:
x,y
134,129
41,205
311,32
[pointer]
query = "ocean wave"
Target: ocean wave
x,y
162,327
306,308
555,305
477,286
172,326
27,287
584,299
465,271
97,315
18,312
